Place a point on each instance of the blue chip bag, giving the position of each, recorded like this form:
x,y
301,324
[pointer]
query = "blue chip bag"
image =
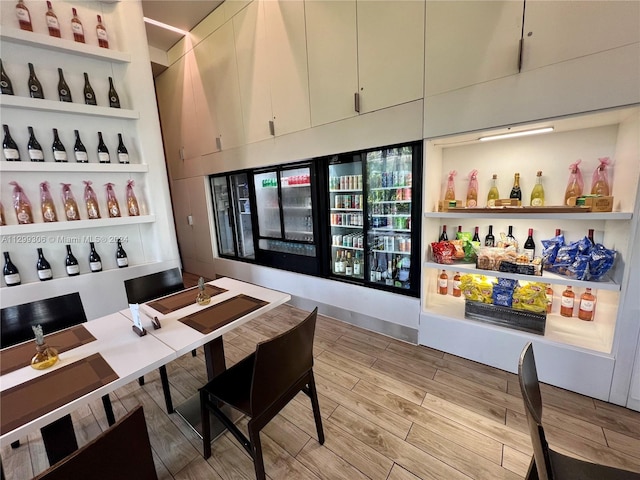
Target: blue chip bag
x,y
507,283
550,250
600,262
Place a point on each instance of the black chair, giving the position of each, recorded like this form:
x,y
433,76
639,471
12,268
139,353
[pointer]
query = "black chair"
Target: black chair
x,y
546,463
54,314
260,385
149,287
122,451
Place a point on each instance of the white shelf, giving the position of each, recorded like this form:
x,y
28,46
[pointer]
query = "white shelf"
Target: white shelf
x,y
394,252
547,277
357,190
27,166
508,214
74,225
45,105
62,45
346,209
342,247
359,227
389,229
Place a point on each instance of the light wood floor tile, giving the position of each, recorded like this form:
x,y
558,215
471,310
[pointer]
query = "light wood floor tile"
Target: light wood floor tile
x,y
197,470
515,461
326,464
399,473
623,443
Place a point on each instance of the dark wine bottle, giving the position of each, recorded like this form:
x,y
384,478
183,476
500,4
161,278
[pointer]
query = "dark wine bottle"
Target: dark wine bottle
x,y
10,272
123,153
63,89
35,87
9,146
590,236
530,246
114,99
5,82
121,256
79,149
95,263
89,94
515,190
511,240
71,263
490,240
443,235
35,150
59,152
43,267
103,151
476,237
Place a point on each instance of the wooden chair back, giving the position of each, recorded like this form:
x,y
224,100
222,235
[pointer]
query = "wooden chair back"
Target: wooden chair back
x,y
122,451
56,313
145,288
280,362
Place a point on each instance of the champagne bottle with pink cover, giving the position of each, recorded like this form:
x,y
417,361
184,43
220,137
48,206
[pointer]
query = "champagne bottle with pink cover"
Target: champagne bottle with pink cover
x,y
132,201
575,184
21,204
46,204
70,205
112,202
472,191
600,181
91,201
450,192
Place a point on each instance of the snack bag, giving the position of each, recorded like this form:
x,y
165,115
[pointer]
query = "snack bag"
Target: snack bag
x,y
575,184
472,191
443,252
112,202
21,204
91,200
531,297
450,193
468,246
70,206
550,250
600,262
600,180
132,201
46,204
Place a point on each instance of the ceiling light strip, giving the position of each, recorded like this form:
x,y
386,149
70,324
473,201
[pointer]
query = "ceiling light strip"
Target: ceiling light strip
x,y
522,133
164,25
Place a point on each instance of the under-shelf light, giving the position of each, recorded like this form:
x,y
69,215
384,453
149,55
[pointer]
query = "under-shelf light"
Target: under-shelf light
x,y
164,25
521,133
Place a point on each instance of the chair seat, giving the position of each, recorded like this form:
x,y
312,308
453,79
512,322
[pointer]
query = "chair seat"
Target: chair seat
x,y
233,386
565,467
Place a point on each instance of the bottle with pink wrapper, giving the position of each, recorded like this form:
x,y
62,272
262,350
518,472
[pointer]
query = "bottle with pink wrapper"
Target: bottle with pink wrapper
x,y
46,204
112,202
91,201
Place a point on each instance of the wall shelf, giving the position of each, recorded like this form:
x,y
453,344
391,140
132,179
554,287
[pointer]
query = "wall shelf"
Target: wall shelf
x,y
44,105
27,166
44,227
535,216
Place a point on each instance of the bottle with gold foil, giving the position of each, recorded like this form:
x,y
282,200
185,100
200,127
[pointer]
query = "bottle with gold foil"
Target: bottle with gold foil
x,y
70,206
132,201
112,202
45,356
493,194
537,194
46,203
21,204
91,201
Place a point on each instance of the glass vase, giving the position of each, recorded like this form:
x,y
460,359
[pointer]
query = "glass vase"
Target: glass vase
x,y
45,357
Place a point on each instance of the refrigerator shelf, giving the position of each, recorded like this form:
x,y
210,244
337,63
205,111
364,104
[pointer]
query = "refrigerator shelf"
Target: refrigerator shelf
x,y
388,229
394,215
359,190
346,209
389,188
391,201
395,252
341,247
284,207
347,226
296,185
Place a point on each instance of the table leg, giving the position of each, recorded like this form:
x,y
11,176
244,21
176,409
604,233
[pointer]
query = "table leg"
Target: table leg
x,y
59,439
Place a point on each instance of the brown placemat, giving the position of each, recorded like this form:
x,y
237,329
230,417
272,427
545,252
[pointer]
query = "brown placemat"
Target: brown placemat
x,y
30,400
182,299
207,320
18,356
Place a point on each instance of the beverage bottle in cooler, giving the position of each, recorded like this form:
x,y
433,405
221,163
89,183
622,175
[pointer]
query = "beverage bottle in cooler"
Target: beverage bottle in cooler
x,y
587,306
356,265
568,299
389,273
43,267
537,194
493,194
337,268
52,21
372,272
379,272
10,272
456,285
443,283
348,266
35,149
9,146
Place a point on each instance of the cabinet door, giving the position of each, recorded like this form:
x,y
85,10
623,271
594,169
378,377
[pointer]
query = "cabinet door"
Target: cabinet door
x,y
181,212
253,71
288,74
217,90
333,59
470,42
562,30
390,52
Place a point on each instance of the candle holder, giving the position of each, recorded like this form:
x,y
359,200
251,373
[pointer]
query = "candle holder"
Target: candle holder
x,y
45,356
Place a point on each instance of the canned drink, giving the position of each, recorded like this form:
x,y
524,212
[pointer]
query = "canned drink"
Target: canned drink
x,y
395,179
406,194
407,245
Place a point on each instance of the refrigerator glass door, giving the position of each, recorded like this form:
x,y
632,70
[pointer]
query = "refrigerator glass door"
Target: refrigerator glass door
x,y
389,179
346,219
242,210
297,210
223,216
268,209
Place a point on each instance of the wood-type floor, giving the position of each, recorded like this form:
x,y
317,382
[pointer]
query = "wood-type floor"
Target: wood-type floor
x,y
391,411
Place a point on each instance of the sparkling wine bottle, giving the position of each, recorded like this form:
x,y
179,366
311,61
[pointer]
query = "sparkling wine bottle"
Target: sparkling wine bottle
x,y
24,17
89,94
95,262
515,190
59,152
10,272
121,256
71,263
114,99
2,219
43,267
70,206
9,146
472,190
132,201
91,201
123,153
112,202
101,32
63,89
76,27
35,150
21,204
537,194
5,82
79,149
493,194
103,151
35,87
52,21
46,203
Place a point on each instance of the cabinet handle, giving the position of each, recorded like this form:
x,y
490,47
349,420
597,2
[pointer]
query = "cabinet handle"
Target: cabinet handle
x,y
218,143
520,48
272,128
181,153
356,102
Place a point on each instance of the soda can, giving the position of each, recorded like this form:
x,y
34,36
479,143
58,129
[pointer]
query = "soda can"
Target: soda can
x,y
395,179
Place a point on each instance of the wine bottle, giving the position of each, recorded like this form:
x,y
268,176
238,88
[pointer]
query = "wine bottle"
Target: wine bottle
x,y
9,146
549,293
537,194
103,151
43,267
21,205
348,266
566,304
356,266
372,272
530,246
443,235
390,274
5,81
443,283
35,150
112,202
95,263
493,192
101,32
490,240
574,188
121,256
590,236
35,87
24,18
59,152
71,263
10,272
79,149
52,21
476,237
2,219
511,240
515,190
114,99
89,94
63,89
76,27
123,153
46,204
587,306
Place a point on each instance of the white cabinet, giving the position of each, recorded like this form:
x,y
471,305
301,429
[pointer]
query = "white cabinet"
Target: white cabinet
x,y
580,356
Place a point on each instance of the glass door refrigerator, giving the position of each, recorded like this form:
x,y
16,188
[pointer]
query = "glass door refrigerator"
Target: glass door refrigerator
x,y
233,206
286,224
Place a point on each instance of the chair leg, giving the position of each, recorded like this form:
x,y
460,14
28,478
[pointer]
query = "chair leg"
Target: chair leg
x,y
313,395
206,426
193,353
141,381
258,462
108,409
166,389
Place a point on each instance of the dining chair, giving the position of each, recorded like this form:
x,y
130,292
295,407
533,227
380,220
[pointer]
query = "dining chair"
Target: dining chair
x,y
149,287
547,464
122,451
262,384
53,314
